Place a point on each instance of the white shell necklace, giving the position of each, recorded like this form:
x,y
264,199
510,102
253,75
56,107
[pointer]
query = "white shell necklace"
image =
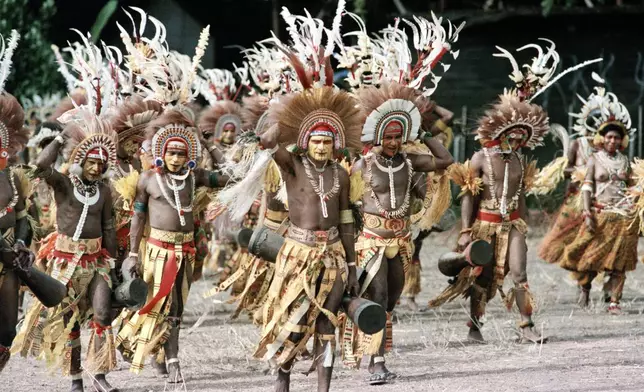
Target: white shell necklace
x,y
88,195
390,170
402,210
318,187
14,199
172,185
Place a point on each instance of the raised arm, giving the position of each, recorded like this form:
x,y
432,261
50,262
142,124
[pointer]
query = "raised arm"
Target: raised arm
x,y
439,160
137,225
347,233
284,159
215,153
45,164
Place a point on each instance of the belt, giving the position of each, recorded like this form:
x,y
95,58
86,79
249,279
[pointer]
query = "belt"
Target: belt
x,y
493,217
306,236
172,237
84,260
398,226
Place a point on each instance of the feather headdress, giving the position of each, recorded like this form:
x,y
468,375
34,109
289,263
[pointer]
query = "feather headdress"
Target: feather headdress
x,y
299,113
13,134
254,113
39,108
213,119
217,85
89,136
162,75
270,70
132,117
392,102
599,110
45,132
537,76
171,126
513,113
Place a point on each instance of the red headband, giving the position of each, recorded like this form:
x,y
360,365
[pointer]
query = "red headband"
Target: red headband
x,y
97,153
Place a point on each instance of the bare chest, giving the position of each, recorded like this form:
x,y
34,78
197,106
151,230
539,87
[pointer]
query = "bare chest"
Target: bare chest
x,y
170,191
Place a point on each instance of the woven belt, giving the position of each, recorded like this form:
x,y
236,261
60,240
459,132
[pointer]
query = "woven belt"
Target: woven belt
x,y
172,237
89,246
494,217
398,226
306,236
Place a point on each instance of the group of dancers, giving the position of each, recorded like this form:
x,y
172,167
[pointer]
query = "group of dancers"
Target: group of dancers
x,y
128,180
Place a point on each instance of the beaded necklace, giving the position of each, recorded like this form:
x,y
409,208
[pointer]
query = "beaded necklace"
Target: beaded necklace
x,y
401,211
14,200
88,195
172,185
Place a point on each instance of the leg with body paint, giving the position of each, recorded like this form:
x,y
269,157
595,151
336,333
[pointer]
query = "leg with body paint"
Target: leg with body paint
x,y
325,332
8,315
101,296
517,262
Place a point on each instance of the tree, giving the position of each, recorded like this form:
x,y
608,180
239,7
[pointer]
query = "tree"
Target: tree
x,y
34,69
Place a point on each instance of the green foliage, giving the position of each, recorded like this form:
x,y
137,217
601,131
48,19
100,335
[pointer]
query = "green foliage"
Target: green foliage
x,y
103,17
34,69
360,8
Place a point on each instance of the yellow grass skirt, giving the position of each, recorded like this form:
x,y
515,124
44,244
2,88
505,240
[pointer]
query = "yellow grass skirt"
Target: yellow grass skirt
x,y
563,231
295,293
145,333
613,247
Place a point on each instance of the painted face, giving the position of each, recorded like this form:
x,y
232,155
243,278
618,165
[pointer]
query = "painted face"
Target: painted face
x,y
228,134
514,139
612,141
392,139
130,146
320,148
93,169
175,159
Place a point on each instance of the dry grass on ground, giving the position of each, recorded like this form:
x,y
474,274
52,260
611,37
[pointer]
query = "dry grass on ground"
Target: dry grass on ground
x,y
589,350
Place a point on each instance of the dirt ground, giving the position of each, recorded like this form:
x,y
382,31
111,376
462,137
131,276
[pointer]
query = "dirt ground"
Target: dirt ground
x,y
588,351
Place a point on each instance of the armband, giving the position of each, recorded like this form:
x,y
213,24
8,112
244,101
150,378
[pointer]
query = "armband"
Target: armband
x,y
140,207
59,139
587,186
441,125
133,254
211,148
346,217
351,264
213,180
21,214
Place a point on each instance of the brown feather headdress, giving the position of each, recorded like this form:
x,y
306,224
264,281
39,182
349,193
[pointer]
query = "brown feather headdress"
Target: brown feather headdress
x,y
512,112
173,125
254,112
132,117
297,114
393,102
214,118
13,134
78,97
89,135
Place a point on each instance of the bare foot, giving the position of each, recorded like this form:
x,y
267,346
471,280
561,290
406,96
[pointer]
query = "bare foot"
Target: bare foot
x,y
614,309
101,385
283,383
528,335
475,335
174,372
77,386
584,299
410,302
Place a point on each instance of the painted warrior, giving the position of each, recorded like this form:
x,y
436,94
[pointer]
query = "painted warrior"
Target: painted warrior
x,y
570,217
494,184
397,111
15,230
305,295
167,263
607,239
78,254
